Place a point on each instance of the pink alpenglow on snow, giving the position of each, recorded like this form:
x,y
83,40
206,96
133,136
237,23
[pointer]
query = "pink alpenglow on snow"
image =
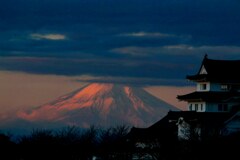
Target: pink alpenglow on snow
x,y
102,104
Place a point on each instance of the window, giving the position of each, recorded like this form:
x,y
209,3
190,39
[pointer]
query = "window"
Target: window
x,y
225,87
201,107
196,107
222,107
203,86
190,107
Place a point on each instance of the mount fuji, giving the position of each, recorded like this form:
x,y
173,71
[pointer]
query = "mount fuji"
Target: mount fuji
x,y
102,104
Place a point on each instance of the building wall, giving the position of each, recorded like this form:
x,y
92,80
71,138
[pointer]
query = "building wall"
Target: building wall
x,y
199,87
213,107
213,87
220,87
197,106
208,107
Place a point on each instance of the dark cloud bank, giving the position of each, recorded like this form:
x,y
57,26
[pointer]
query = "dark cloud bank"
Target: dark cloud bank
x,y
122,38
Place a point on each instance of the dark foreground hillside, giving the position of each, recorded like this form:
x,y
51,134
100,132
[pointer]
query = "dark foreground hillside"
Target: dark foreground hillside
x,y
72,143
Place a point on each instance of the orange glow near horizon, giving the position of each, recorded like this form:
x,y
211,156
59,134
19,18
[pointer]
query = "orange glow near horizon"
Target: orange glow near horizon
x,y
169,94
22,91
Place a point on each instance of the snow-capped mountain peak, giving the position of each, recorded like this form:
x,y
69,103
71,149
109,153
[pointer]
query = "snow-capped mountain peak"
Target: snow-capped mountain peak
x,y
102,104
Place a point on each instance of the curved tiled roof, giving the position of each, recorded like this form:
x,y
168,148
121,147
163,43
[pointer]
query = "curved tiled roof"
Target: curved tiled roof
x,y
211,96
222,71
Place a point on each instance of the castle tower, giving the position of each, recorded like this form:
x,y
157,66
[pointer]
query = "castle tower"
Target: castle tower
x,y
217,87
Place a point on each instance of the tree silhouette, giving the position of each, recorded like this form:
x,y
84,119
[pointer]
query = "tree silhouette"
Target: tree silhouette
x,y
113,143
73,143
7,145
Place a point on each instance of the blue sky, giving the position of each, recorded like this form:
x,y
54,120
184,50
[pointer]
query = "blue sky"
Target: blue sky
x,y
158,40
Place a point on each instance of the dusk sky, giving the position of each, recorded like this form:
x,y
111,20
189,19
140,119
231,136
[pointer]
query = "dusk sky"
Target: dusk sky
x,y
143,42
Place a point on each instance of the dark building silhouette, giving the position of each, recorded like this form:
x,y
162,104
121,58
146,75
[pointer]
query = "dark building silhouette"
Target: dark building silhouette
x,y
212,108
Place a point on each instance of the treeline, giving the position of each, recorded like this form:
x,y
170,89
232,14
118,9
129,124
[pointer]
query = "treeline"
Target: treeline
x,y
72,143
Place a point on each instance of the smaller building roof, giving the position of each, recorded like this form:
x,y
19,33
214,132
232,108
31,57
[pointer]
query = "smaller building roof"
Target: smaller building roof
x,y
167,125
232,125
209,118
211,96
221,71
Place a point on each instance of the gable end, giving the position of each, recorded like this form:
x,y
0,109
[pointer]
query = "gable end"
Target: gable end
x,y
203,70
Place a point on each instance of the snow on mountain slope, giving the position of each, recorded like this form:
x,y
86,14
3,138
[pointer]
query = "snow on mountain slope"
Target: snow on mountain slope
x,y
102,104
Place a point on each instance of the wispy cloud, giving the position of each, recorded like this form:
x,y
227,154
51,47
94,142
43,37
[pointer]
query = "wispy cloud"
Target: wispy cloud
x,y
154,35
147,34
196,50
137,51
133,81
53,37
181,49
